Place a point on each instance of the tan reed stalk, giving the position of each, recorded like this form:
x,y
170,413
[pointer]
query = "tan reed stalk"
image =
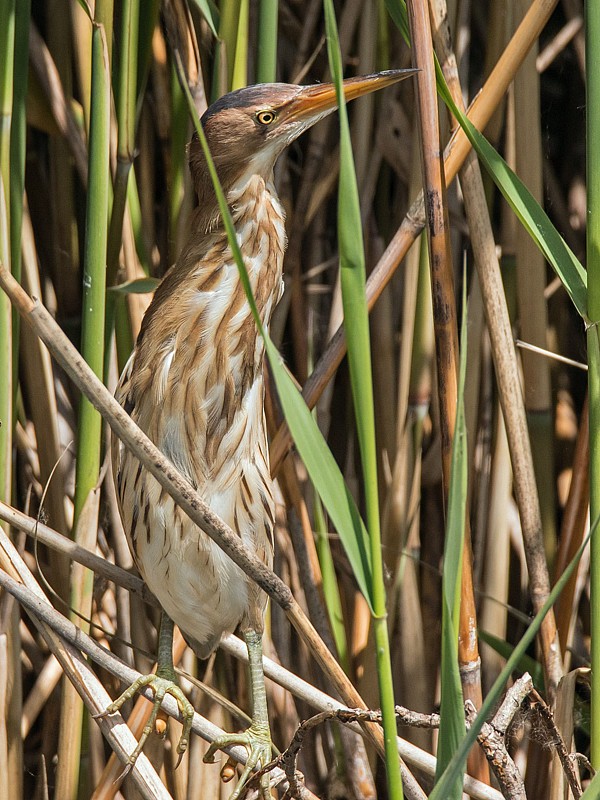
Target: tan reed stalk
x,y
495,568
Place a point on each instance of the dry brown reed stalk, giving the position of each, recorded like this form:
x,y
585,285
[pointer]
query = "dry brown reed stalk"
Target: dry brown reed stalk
x,y
574,13
401,529
455,153
555,47
81,599
563,717
356,763
496,552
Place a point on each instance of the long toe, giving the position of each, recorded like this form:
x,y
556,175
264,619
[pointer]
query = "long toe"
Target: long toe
x,y
160,686
257,742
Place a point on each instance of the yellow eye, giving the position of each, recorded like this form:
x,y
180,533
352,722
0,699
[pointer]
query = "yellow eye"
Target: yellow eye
x,y
266,117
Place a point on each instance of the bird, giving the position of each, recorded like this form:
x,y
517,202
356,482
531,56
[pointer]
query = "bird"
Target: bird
x,y
194,384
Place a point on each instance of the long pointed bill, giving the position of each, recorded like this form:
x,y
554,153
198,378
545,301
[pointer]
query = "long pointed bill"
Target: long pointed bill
x,y
314,102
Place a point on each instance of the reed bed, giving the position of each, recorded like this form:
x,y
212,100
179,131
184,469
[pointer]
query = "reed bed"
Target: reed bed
x,y
430,630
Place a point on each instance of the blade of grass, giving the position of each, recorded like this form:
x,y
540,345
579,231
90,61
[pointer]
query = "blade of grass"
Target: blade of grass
x,y
210,13
593,790
527,663
356,315
452,715
480,111
531,215
506,368
562,259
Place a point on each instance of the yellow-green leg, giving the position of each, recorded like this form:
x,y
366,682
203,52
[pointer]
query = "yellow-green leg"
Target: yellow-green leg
x,y
162,682
257,739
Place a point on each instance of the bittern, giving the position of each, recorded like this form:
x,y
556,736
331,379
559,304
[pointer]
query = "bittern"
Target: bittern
x,y
194,384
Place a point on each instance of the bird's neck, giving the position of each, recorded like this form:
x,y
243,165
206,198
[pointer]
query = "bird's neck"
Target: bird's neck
x,y
198,329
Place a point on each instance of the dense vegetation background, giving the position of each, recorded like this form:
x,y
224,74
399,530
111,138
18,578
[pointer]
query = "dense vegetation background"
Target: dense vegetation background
x,y
91,251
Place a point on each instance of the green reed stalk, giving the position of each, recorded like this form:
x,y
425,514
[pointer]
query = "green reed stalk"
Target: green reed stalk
x,y
592,56
17,154
455,767
266,68
126,93
228,32
94,267
239,77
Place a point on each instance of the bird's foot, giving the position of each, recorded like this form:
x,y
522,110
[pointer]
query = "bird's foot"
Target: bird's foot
x,y
160,685
257,740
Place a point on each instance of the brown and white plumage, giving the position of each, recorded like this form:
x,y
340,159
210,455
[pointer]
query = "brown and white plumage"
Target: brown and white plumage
x,y
194,385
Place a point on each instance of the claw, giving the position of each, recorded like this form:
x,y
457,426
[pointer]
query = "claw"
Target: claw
x,y
257,741
160,686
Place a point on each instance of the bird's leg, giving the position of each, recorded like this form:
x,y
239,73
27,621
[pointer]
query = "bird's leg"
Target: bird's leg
x,y
257,739
162,682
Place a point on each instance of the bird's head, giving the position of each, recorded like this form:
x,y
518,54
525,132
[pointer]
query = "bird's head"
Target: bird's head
x,y
248,129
